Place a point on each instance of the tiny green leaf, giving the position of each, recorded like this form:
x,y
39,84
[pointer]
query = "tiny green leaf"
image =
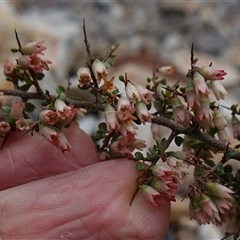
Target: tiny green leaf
x,y
102,127
178,140
219,168
140,167
121,78
6,108
29,107
14,50
60,89
227,177
138,156
39,76
228,169
45,102
25,87
210,163
152,151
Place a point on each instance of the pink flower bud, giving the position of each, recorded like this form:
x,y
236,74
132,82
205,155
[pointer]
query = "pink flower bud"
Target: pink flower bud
x,y
200,85
5,128
203,110
8,68
25,62
217,190
159,185
33,48
161,171
203,210
210,73
192,99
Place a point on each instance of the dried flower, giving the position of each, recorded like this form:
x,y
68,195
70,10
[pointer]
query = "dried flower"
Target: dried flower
x,y
108,86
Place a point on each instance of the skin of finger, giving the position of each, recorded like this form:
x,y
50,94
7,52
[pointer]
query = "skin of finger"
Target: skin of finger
x,y
28,158
89,203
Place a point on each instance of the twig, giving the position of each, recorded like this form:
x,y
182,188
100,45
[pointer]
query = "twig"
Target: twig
x,y
231,234
18,41
87,43
161,120
109,54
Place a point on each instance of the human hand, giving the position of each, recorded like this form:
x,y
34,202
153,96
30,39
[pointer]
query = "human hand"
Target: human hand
x,y
47,195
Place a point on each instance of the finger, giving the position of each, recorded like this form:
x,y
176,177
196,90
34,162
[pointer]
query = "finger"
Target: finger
x,y
90,203
28,158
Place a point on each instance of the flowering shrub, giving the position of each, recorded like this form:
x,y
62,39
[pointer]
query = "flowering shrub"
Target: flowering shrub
x,y
197,123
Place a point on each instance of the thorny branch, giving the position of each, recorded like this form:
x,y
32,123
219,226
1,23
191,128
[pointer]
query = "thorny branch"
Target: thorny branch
x,y
192,132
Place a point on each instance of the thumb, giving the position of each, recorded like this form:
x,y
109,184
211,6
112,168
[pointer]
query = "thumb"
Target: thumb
x,y
92,202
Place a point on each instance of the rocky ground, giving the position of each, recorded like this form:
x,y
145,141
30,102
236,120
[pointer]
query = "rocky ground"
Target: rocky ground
x,y
156,32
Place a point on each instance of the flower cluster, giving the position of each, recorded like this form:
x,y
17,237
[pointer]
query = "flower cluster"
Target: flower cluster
x,y
32,58
162,187
190,106
212,205
53,119
120,111
197,96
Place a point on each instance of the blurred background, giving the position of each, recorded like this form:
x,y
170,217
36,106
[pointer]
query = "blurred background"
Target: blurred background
x,y
150,33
